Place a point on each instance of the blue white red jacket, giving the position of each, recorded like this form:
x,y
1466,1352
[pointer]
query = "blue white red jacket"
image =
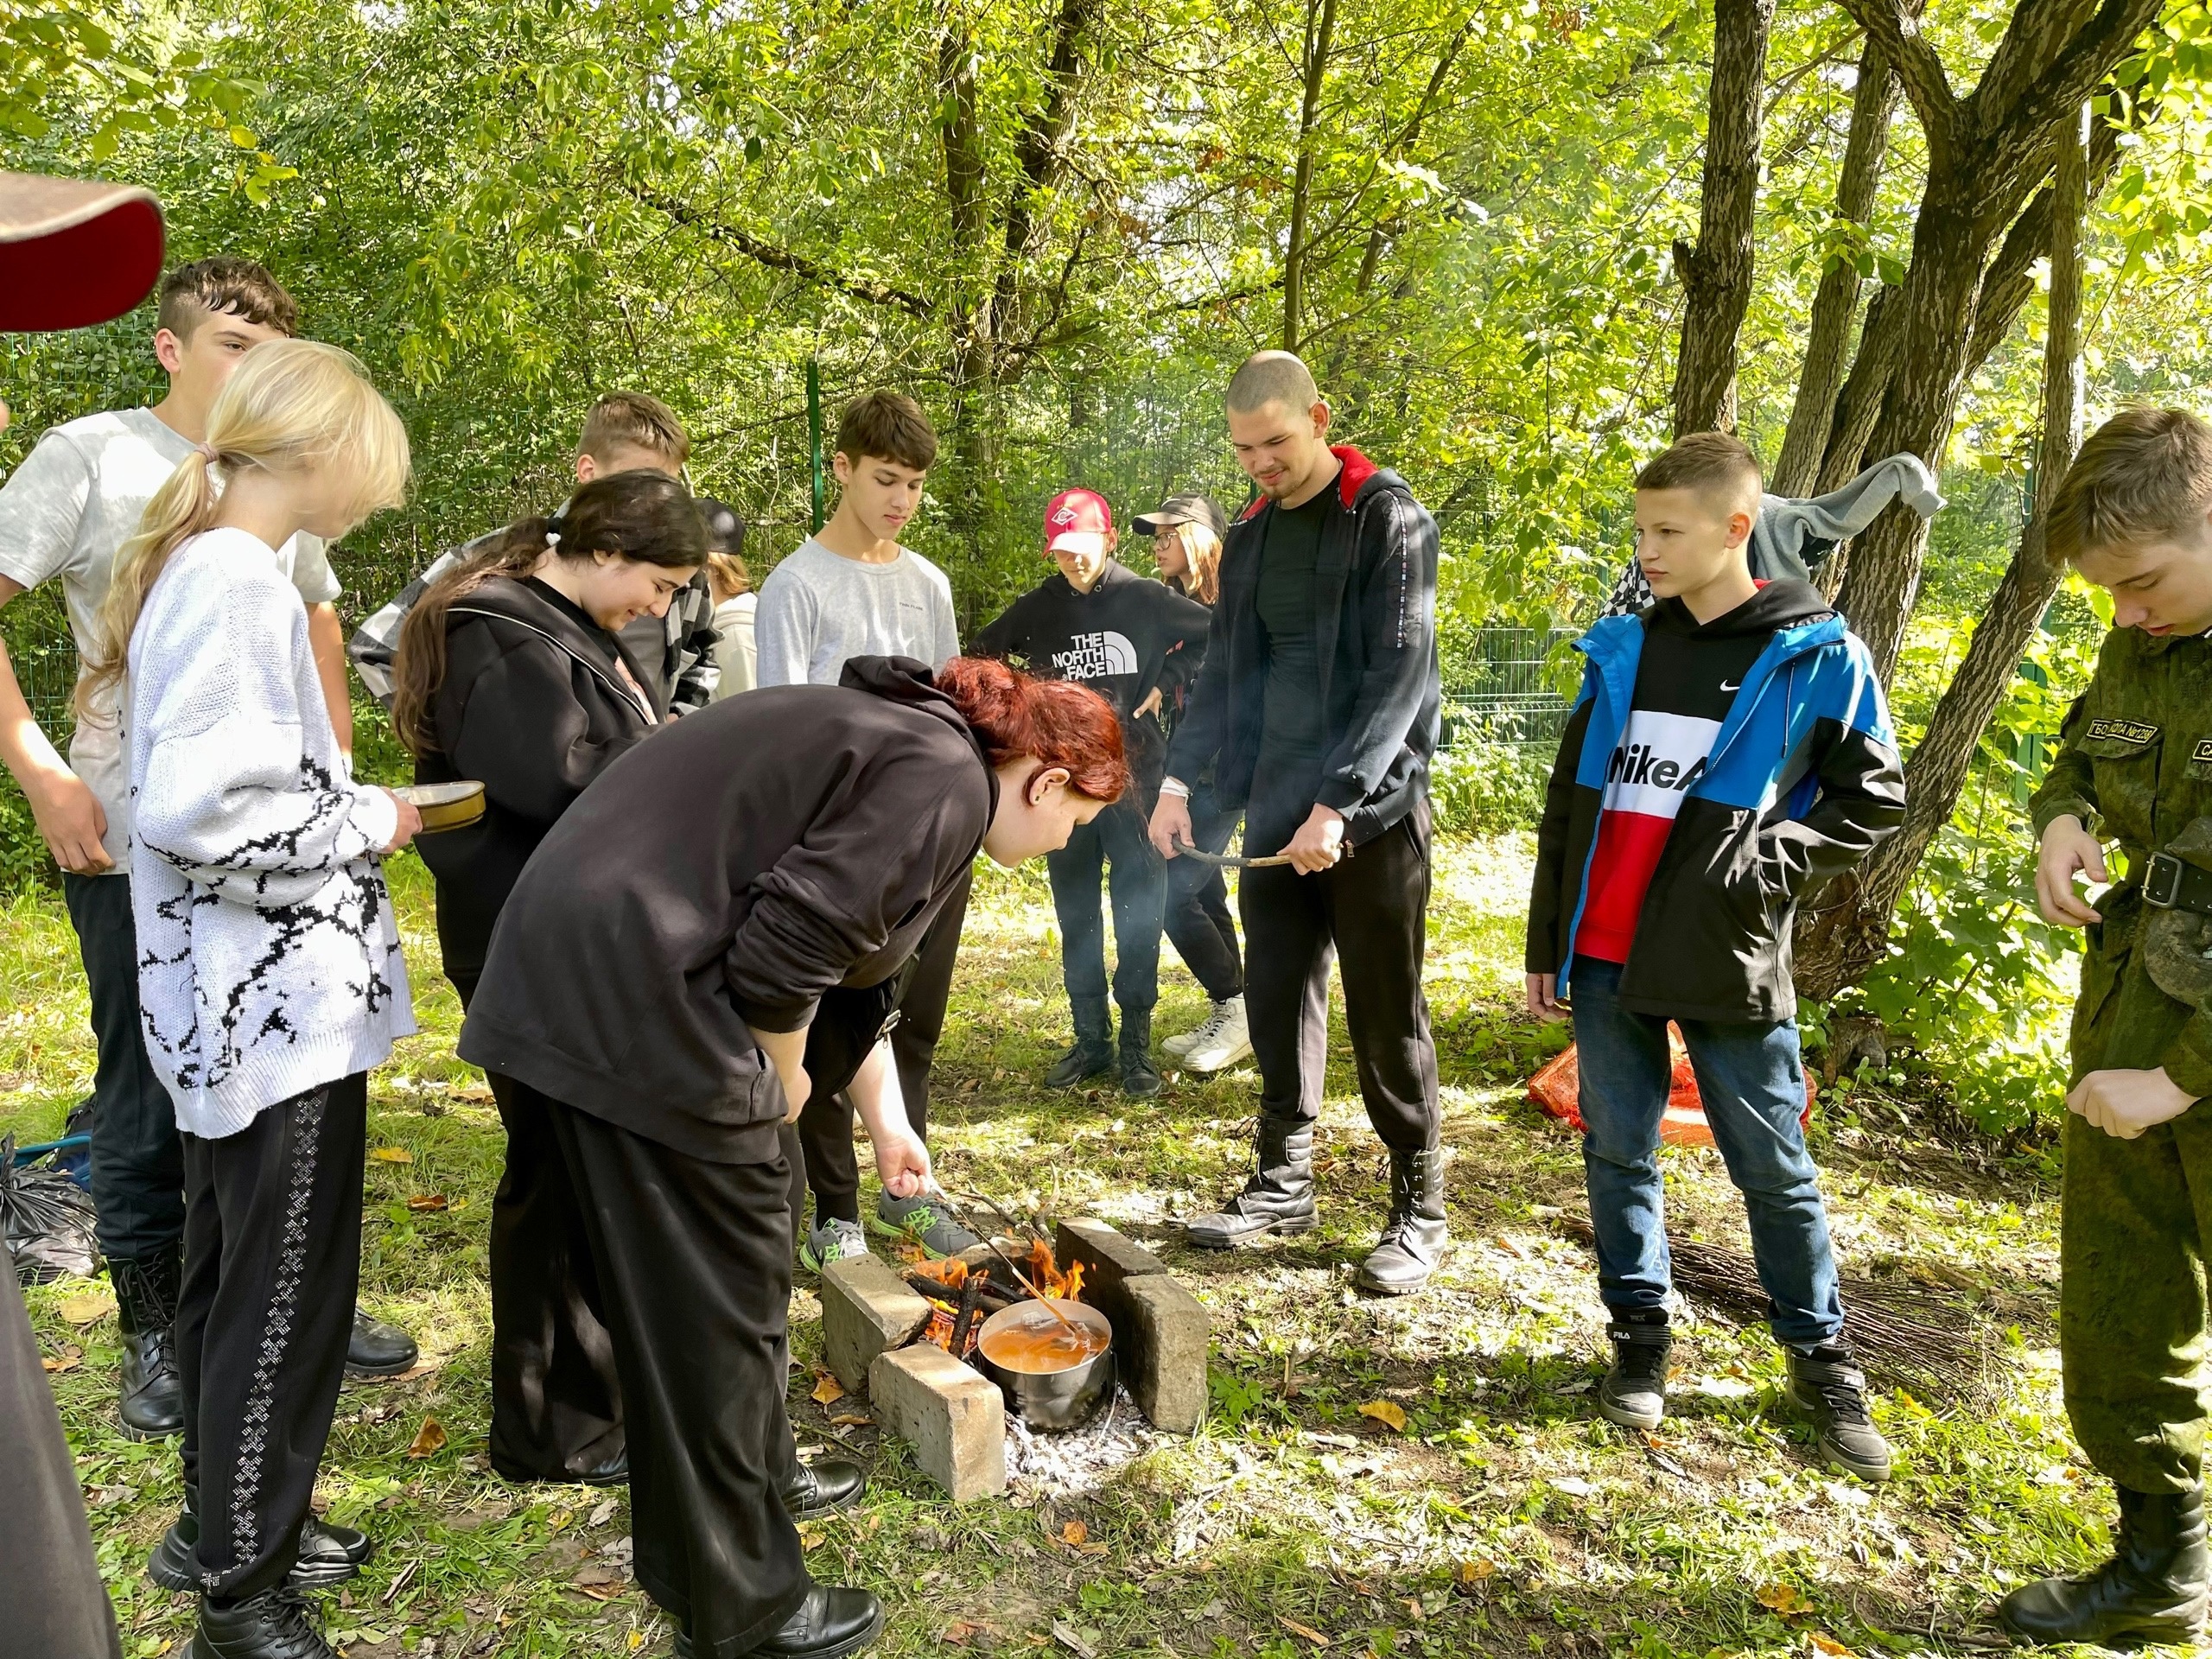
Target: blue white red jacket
x,y
1802,781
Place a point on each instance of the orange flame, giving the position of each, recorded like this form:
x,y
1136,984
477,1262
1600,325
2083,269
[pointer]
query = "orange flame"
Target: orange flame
x,y
1046,1275
951,1272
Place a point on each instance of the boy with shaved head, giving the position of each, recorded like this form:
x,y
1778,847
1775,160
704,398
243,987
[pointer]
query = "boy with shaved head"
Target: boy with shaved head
x,y
1316,706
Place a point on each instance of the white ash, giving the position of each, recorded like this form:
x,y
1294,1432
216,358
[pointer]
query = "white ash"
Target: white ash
x,y
1042,1466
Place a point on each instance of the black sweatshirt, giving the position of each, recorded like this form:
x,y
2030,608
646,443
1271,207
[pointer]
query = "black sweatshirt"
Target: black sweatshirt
x,y
727,875
1125,637
532,705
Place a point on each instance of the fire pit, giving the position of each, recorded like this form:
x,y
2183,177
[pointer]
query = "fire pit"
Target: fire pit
x,y
950,1352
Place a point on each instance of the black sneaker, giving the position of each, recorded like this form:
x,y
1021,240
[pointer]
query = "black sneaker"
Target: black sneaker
x,y
271,1625
1829,1387
1633,1393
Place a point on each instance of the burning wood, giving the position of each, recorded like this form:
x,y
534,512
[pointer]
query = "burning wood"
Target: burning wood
x,y
1046,1275
951,1272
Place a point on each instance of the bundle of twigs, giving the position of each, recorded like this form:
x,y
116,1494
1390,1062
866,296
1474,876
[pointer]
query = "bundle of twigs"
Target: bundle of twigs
x,y
1901,1334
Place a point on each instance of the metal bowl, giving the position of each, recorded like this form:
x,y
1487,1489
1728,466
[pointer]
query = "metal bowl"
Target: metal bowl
x,y
445,806
1063,1398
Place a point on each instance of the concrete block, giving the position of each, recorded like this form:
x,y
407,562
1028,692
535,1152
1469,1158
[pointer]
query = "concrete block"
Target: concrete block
x,y
1109,1260
953,1418
867,1310
1160,1332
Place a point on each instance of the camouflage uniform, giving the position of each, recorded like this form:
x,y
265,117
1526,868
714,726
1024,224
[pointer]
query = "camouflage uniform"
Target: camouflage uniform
x,y
2135,763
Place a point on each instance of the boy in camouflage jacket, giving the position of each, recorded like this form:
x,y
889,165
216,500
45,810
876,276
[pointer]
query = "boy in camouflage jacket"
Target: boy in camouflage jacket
x,y
2134,771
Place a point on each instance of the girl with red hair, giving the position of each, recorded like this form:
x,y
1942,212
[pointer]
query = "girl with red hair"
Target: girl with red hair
x,y
713,931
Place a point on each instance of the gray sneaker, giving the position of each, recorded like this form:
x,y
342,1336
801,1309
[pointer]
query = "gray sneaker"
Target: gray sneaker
x,y
922,1222
1829,1387
835,1240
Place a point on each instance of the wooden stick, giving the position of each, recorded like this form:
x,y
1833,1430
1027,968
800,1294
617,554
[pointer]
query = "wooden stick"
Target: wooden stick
x,y
1229,861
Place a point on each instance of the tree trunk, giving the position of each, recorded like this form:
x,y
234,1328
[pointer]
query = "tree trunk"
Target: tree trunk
x,y
1717,273
1320,26
1835,305
1847,936
972,349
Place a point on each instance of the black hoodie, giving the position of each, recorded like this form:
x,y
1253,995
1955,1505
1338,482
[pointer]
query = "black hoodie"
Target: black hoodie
x,y
533,706
727,875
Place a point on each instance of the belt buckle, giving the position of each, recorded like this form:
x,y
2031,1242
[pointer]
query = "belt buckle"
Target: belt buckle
x,y
2162,881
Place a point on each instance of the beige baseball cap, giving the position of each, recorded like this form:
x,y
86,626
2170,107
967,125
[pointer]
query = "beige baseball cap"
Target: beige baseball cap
x,y
74,252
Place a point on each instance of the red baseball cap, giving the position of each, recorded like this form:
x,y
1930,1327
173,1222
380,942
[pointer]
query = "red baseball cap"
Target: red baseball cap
x,y
74,252
1078,521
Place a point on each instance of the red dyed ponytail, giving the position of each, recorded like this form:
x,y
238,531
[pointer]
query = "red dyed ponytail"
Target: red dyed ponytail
x,y
1061,723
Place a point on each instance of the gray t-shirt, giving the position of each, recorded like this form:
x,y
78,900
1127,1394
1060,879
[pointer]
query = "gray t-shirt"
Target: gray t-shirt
x,y
818,608
67,512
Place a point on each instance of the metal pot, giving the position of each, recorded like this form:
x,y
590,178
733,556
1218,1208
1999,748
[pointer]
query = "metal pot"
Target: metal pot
x,y
1066,1396
445,806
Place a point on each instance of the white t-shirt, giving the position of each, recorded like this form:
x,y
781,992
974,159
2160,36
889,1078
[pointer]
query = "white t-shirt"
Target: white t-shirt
x,y
67,512
735,653
818,608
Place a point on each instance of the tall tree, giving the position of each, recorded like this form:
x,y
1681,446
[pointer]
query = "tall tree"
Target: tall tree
x,y
1716,274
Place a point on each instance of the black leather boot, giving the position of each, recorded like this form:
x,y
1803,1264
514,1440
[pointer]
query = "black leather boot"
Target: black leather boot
x,y
328,1553
1093,1053
1279,1197
152,1405
379,1349
832,1621
821,1488
1413,1238
1633,1393
1139,1076
2152,1590
271,1625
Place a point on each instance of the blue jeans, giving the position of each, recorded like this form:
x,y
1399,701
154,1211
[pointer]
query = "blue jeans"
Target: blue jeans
x,y
1752,1082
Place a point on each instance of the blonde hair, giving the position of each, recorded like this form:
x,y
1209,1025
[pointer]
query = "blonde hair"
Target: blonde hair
x,y
1201,552
2145,476
292,405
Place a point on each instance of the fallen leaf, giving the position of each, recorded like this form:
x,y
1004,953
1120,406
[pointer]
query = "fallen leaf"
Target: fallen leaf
x,y
602,1512
827,1390
1475,1572
961,1631
1573,1487
68,1359
1785,1599
476,1089
1827,1644
636,1640
1386,1412
1074,1533
427,1201
1305,1631
1073,1640
429,1439
851,1420
88,1308
809,1536
392,1155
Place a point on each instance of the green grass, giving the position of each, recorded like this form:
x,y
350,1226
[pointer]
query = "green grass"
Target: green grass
x,y
1505,1518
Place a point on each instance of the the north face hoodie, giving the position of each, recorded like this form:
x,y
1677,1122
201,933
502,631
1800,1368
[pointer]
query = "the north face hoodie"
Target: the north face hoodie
x,y
1709,777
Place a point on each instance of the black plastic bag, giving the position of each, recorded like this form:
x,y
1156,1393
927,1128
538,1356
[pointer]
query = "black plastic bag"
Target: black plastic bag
x,y
48,1221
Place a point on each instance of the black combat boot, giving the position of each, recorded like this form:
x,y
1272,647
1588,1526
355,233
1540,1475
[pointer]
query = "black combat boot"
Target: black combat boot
x,y
327,1553
1633,1393
1278,1199
832,1621
271,1625
2151,1591
1139,1076
1829,1387
145,1307
1413,1238
379,1349
1093,1053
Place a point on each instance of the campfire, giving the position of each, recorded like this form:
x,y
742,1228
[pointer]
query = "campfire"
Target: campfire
x,y
962,1298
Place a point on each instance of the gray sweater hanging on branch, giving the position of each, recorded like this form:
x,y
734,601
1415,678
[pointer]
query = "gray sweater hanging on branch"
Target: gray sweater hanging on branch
x,y
1793,539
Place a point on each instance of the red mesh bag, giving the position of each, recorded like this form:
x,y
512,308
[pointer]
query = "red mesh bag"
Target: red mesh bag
x,y
1556,1089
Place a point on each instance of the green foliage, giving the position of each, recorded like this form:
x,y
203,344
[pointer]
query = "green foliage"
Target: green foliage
x,y
1977,987
1479,787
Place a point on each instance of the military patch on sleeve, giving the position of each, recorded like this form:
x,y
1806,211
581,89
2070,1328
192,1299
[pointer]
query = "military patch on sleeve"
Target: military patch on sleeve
x,y
2137,731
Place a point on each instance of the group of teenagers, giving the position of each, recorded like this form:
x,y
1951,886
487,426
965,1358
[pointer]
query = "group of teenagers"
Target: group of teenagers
x,y
712,911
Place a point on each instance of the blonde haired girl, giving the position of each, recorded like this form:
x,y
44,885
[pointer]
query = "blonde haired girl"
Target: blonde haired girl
x,y
270,978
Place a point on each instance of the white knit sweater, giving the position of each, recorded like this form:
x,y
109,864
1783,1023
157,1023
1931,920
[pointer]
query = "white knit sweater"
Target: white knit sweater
x,y
267,955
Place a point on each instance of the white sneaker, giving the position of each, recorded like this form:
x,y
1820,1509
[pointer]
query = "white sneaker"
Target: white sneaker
x,y
1229,1041
1204,1031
